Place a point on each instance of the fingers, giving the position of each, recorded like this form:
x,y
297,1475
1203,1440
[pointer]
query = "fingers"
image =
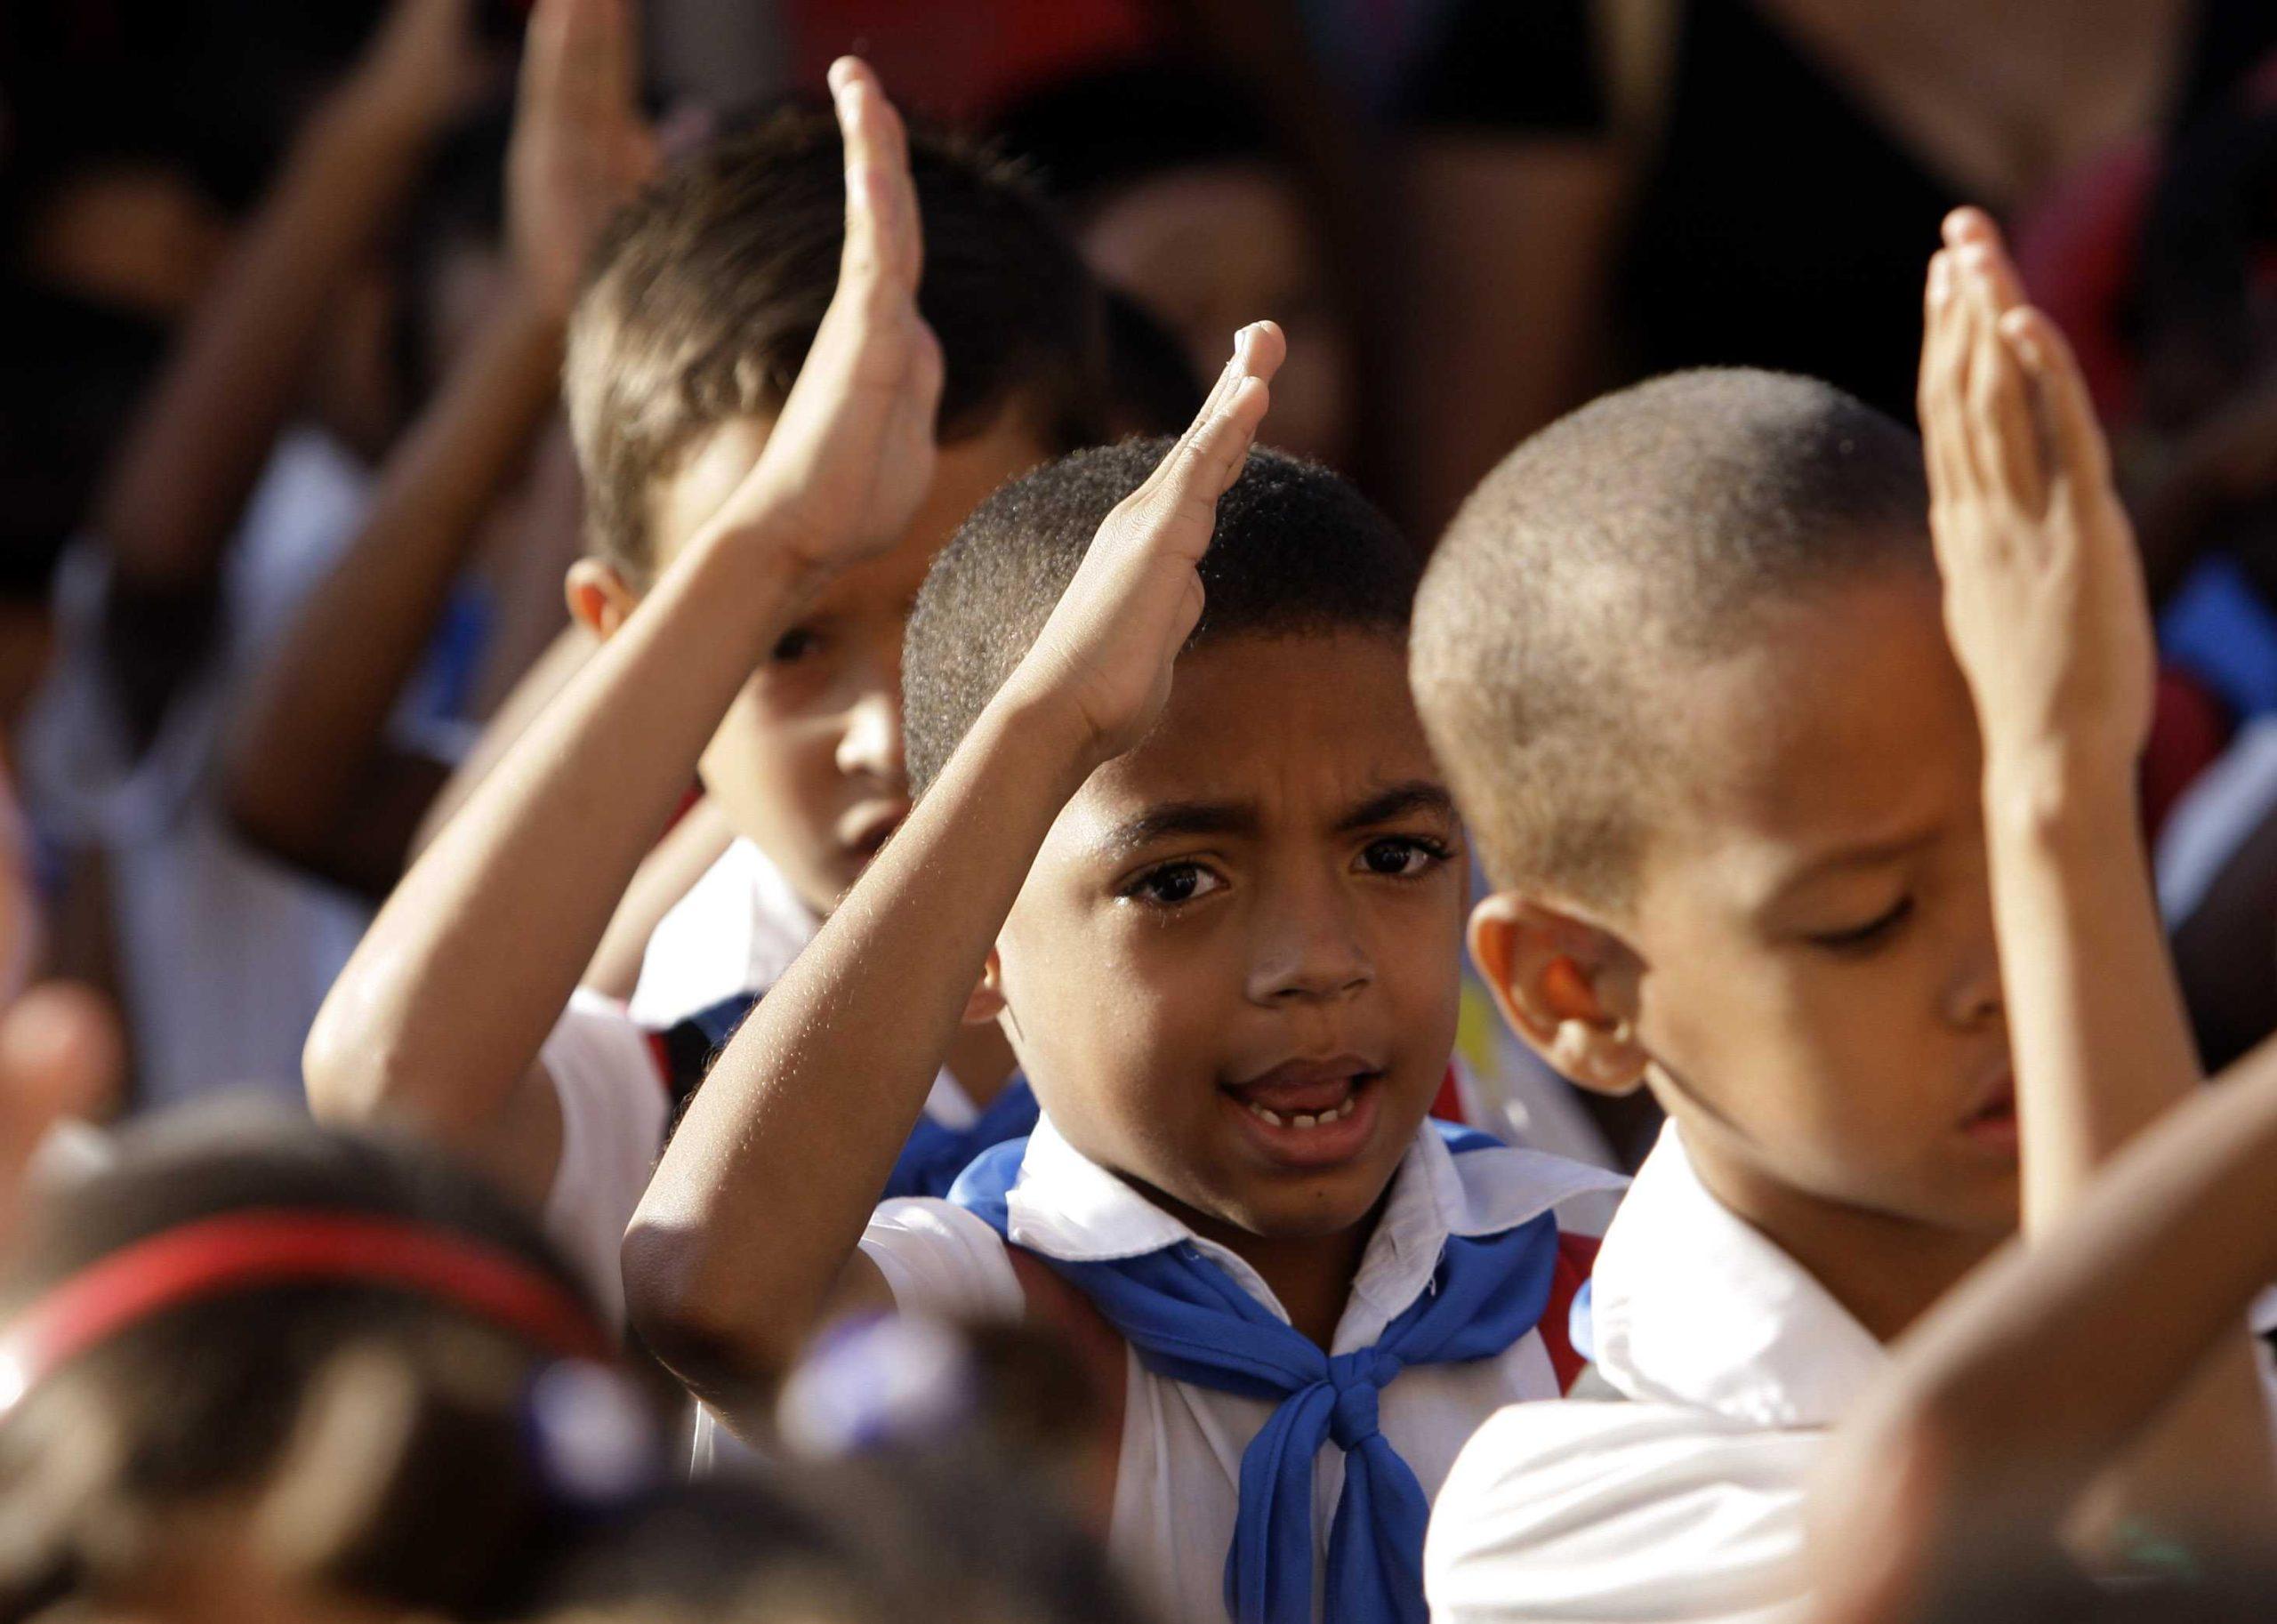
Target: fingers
x,y
1981,435
1209,457
1941,329
2005,438
2074,436
884,240
578,71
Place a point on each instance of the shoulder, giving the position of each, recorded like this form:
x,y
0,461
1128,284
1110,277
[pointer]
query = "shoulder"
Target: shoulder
x,y
939,1259
1643,1511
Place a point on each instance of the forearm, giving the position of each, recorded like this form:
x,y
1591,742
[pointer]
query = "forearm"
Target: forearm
x,y
765,1189
452,992
2103,1051
201,441
321,709
2101,1045
524,703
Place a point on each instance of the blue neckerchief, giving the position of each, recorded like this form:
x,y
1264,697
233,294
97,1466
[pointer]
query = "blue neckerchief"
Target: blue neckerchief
x,y
934,1154
1189,1321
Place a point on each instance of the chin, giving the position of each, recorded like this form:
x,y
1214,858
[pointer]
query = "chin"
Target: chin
x,y
1319,1205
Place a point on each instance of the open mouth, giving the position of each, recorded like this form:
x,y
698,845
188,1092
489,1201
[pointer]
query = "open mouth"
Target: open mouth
x,y
1309,1113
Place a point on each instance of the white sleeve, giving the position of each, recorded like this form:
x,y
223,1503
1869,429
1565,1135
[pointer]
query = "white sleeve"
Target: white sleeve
x,y
940,1260
615,1108
1586,1512
90,781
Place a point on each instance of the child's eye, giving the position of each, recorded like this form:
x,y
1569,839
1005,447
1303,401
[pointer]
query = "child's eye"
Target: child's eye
x,y
1406,857
1869,934
1173,883
796,645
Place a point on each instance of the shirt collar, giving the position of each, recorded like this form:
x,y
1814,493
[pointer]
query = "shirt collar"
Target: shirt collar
x,y
781,922
1693,1305
1065,1205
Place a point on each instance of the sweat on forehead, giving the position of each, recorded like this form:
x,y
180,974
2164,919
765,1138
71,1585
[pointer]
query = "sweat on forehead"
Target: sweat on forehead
x,y
1296,551
1627,543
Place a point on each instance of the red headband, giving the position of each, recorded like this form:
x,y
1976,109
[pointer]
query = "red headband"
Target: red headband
x,y
243,1251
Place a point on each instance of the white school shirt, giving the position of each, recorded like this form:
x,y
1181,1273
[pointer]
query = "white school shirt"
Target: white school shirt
x,y
738,927
736,931
1177,1483
1684,1502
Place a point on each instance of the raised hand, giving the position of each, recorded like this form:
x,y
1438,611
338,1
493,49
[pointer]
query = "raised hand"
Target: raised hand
x,y
425,65
852,454
579,147
2043,588
1106,653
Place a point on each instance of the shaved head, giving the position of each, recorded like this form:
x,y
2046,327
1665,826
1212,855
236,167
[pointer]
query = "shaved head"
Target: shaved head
x,y
1629,542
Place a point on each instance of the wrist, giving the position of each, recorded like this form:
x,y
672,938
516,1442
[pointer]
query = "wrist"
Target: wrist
x,y
1041,727
2050,792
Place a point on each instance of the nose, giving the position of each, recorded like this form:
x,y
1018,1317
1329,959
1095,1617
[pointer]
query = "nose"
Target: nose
x,y
1307,946
1973,996
869,744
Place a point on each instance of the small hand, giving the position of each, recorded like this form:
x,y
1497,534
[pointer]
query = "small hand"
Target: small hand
x,y
2043,587
849,459
1106,653
580,147
425,65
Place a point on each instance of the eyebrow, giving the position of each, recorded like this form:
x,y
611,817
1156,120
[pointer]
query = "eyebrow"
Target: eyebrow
x,y
1401,801
1174,818
1177,818
1851,858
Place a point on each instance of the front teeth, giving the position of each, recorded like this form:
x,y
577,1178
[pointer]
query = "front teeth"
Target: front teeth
x,y
1306,1120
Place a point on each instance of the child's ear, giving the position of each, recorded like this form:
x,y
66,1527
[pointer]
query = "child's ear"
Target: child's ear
x,y
1565,985
600,600
988,1000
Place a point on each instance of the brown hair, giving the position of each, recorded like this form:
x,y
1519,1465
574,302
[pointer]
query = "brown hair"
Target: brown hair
x,y
705,292
375,1434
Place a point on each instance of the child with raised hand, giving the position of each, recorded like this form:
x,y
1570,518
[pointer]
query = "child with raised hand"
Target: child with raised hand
x,y
1789,929
313,776
223,499
758,540
1179,834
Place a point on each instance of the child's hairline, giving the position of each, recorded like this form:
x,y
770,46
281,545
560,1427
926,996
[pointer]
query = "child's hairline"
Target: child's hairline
x,y
1390,632
1024,404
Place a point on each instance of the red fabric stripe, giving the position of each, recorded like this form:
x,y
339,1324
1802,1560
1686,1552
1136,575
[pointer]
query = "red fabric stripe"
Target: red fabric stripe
x,y
1577,1255
1446,1105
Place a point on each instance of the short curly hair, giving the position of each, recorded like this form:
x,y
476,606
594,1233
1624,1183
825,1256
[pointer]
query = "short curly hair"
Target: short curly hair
x,y
1296,551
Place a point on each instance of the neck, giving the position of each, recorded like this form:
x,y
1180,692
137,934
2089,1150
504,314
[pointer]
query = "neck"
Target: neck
x,y
980,1058
1885,1270
1311,1275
